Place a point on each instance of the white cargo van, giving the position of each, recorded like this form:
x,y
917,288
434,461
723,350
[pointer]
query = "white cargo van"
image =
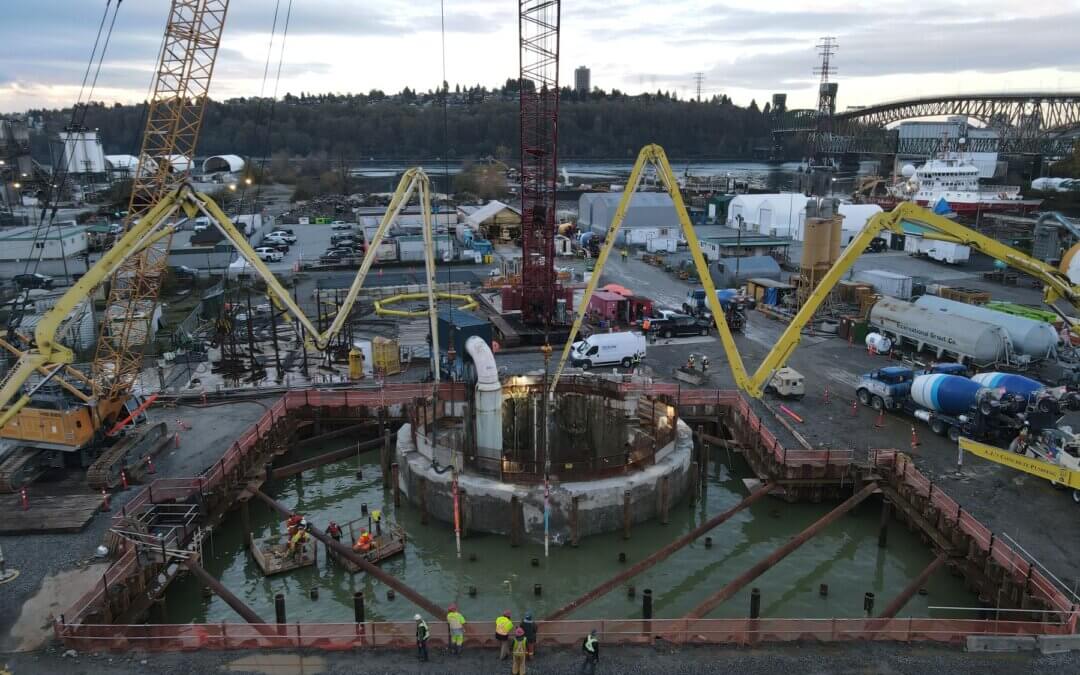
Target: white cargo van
x,y
603,349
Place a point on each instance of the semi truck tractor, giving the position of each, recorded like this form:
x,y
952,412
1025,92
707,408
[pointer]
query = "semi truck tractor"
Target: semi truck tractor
x,y
951,405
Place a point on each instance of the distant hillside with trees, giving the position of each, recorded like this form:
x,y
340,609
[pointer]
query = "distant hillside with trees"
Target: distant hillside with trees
x,y
479,122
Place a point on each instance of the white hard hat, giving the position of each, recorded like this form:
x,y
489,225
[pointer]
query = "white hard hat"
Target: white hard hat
x,y
417,617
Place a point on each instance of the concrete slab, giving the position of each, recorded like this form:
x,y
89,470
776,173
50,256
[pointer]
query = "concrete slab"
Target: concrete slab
x,y
1000,643
1058,644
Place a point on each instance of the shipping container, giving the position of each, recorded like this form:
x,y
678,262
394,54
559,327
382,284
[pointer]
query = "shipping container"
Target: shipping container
x,y
887,283
457,325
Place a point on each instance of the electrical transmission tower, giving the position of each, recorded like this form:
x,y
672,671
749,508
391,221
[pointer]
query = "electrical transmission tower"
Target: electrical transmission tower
x,y
699,79
826,90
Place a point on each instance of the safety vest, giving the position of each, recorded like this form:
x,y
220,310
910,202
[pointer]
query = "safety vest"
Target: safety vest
x,y
376,515
590,644
519,646
455,620
503,626
298,538
422,631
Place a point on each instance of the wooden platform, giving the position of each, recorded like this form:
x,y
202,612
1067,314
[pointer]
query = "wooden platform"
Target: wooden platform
x,y
387,545
272,557
48,514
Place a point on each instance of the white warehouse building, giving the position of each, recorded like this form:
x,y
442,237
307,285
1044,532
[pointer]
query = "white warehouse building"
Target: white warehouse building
x,y
784,215
651,216
63,240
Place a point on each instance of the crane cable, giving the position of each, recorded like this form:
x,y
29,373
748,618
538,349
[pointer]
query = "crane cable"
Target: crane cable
x,y
78,117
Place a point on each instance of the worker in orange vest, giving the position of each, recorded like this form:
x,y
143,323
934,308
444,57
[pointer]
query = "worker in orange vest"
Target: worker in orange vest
x,y
363,544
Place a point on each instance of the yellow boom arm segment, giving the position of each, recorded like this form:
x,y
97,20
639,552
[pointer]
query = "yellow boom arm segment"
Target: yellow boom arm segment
x,y
1057,285
1036,467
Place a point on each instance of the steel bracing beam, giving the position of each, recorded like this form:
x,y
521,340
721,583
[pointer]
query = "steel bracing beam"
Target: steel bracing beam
x,y
658,556
905,595
238,606
725,593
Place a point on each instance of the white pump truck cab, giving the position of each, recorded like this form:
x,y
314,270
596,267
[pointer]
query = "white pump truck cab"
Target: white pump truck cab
x,y
602,349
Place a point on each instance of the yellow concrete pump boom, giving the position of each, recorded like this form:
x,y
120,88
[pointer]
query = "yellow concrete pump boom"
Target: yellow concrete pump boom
x,y
1056,283
47,355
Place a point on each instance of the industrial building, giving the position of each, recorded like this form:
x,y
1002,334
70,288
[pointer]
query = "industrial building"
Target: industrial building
x,y
64,240
651,215
784,214
222,164
726,242
495,220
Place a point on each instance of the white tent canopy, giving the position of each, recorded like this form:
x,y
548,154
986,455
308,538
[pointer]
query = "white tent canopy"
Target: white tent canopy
x,y
223,163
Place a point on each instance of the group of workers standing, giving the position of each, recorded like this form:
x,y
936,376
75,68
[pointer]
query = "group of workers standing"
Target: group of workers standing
x,y
515,642
297,533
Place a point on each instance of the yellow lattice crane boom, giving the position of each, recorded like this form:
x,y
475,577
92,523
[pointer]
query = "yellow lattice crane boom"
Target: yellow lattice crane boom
x,y
173,120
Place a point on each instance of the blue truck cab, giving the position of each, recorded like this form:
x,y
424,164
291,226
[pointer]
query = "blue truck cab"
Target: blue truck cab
x,y
885,387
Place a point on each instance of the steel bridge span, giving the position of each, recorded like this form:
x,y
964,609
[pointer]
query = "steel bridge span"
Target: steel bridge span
x,y
1028,122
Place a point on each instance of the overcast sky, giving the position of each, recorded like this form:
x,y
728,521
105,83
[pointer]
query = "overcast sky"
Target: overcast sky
x,y
746,48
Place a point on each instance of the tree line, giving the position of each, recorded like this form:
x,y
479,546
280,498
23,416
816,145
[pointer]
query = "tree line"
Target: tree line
x,y
475,122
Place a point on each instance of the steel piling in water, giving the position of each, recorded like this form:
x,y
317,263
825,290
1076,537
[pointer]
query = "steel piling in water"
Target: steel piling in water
x,y
894,607
237,605
658,556
779,554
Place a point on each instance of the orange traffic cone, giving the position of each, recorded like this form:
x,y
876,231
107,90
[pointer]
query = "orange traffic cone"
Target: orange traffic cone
x,y
826,395
880,421
914,439
854,408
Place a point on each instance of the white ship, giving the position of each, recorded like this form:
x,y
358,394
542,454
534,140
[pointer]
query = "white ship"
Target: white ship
x,y
956,180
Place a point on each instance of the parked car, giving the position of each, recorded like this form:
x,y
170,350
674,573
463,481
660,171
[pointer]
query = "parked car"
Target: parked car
x,y
184,273
335,257
288,237
269,254
877,245
274,242
201,223
348,239
340,225
679,325
33,280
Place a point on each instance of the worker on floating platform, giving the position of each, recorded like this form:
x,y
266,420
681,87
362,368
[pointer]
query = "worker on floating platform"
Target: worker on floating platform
x,y
334,530
376,518
298,539
691,362
456,621
293,523
520,650
363,543
503,627
704,363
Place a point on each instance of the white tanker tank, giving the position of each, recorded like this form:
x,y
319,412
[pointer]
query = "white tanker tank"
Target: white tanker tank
x,y
1037,339
959,337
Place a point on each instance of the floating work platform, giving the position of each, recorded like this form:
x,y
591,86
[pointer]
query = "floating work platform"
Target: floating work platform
x,y
386,545
691,375
272,555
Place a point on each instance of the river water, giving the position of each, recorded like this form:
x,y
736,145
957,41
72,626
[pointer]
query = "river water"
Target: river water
x,y
383,175
845,556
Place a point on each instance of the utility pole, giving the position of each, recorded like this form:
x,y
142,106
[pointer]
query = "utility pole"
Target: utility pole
x,y
699,79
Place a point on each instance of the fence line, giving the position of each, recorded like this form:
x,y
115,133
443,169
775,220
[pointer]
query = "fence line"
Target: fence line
x,y
568,633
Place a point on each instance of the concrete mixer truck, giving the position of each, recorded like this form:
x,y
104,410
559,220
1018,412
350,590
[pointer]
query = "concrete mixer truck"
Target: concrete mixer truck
x,y
950,404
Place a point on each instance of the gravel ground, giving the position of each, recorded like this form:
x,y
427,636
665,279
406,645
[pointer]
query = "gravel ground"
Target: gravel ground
x,y
863,659
40,556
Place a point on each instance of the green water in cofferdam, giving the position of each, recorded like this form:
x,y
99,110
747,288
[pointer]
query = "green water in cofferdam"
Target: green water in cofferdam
x,y
845,556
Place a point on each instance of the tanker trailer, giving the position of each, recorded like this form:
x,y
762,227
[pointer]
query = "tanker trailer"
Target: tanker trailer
x,y
966,340
1036,339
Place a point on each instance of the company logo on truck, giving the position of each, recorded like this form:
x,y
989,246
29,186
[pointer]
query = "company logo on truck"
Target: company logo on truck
x,y
925,334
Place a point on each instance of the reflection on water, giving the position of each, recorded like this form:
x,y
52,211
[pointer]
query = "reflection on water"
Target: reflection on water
x,y
845,556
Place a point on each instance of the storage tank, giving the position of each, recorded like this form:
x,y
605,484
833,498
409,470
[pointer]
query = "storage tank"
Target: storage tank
x,y
966,338
1012,384
948,394
1034,338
